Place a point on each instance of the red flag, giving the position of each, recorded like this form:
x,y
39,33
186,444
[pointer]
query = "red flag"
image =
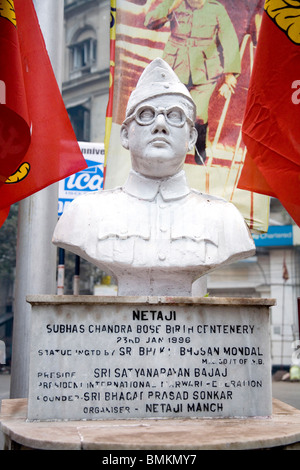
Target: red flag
x,y
53,153
271,121
3,215
14,122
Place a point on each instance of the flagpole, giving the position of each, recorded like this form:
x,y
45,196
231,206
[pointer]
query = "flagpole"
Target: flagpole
x,y
36,256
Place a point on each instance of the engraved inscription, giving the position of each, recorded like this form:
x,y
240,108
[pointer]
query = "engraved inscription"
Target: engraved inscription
x,y
148,363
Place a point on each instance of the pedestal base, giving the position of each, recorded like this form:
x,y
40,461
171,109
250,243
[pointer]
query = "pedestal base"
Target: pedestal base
x,y
280,431
149,357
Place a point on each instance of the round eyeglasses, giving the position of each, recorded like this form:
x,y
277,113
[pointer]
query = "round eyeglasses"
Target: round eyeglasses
x,y
146,114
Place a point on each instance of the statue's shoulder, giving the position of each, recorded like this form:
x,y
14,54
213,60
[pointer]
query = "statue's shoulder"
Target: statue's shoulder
x,y
207,198
217,207
223,222
83,215
86,207
101,194
88,201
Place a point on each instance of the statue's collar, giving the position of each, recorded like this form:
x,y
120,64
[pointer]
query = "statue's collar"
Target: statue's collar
x,y
172,188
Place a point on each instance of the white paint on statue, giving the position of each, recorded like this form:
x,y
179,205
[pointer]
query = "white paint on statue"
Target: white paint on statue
x,y
154,234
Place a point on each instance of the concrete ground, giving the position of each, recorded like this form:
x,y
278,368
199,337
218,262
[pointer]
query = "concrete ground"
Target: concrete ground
x,y
4,386
286,391
4,393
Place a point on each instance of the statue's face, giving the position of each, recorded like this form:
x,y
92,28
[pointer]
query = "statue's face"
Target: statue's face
x,y
158,135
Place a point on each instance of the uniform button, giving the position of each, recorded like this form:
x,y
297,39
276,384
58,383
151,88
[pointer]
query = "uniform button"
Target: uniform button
x,y
162,205
163,229
161,256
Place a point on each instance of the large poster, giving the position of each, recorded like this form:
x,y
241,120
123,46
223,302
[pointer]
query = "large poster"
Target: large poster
x,y
210,45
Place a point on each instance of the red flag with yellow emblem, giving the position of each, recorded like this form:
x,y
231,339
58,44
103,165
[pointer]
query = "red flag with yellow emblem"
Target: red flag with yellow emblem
x,y
52,151
14,121
271,121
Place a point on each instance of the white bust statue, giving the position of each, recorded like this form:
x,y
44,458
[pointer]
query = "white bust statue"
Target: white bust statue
x,y
154,234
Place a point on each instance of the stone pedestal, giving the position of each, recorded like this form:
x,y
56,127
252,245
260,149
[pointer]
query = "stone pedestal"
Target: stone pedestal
x,y
105,358
281,431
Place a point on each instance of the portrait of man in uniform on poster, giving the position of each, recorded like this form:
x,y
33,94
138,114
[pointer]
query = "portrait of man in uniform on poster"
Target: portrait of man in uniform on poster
x,y
210,46
202,49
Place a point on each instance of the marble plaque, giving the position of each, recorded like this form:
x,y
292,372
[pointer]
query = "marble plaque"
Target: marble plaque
x,y
131,358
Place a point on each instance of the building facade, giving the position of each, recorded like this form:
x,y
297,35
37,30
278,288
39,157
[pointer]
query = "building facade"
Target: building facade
x,y
86,66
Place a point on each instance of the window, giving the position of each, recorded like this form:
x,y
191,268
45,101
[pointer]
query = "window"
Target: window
x,y
80,119
83,55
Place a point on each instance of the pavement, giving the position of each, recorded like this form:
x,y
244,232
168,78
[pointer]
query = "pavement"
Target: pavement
x,y
4,393
288,392
284,390
4,385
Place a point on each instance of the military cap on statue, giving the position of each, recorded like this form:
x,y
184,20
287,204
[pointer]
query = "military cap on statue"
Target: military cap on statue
x,y
157,79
